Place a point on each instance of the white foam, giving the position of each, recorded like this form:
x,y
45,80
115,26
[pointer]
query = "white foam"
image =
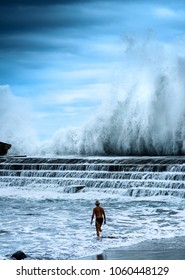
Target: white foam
x,y
144,114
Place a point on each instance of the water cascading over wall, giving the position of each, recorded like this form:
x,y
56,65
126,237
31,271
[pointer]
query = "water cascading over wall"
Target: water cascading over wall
x,y
124,176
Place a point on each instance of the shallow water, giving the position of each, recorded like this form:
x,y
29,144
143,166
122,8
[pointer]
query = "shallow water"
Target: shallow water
x,y
59,228
47,223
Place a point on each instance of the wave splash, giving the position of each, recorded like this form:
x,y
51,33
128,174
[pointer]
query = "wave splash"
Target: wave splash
x,y
16,126
145,112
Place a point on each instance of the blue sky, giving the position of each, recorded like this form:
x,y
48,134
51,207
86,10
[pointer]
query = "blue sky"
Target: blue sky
x,y
62,56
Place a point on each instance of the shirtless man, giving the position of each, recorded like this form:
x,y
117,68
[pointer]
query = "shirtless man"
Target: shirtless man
x,y
99,213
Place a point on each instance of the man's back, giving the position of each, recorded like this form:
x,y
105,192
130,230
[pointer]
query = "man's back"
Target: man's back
x,y
99,211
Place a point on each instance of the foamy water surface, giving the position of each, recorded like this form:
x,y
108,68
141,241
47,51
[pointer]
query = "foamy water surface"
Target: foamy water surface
x,y
56,225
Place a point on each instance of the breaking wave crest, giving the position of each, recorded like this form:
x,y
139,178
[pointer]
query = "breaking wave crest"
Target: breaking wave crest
x,y
145,112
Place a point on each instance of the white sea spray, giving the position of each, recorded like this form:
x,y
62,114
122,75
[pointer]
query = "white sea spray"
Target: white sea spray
x,y
145,111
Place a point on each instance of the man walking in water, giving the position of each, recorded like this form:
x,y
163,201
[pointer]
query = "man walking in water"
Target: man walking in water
x,y
99,213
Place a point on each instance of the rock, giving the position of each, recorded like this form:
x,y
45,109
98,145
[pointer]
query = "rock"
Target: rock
x,y
74,189
19,255
78,188
4,147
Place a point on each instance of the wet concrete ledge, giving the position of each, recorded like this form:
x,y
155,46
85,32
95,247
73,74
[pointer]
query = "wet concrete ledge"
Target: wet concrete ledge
x,y
156,249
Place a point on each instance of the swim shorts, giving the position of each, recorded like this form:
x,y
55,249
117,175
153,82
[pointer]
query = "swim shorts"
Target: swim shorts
x,y
99,221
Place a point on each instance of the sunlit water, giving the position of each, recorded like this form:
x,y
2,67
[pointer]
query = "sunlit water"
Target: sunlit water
x,y
47,223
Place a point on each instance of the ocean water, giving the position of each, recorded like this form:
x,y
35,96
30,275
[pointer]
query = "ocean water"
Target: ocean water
x,y
42,214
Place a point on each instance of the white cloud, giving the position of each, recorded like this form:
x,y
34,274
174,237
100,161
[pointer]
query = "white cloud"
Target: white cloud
x,y
91,92
165,13
86,73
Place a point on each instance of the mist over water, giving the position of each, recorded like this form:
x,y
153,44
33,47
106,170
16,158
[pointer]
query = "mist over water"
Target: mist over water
x,y
144,113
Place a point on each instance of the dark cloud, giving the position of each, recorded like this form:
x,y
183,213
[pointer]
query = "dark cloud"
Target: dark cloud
x,y
35,18
31,26
23,19
40,2
58,2
21,26
26,19
39,16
